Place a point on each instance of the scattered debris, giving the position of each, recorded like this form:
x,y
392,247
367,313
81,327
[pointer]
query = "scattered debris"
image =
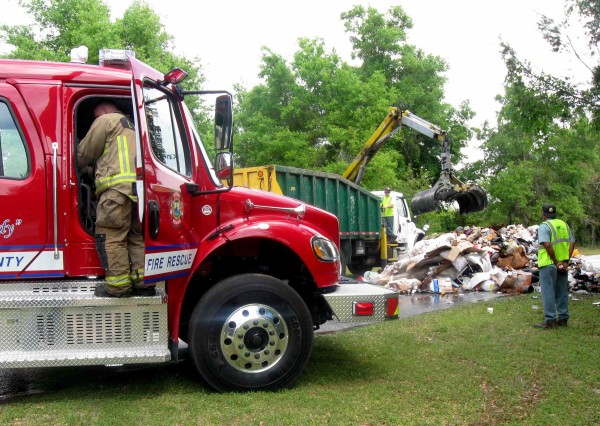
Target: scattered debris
x,y
478,259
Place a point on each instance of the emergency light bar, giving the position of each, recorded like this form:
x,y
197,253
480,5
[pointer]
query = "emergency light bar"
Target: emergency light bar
x,y
118,58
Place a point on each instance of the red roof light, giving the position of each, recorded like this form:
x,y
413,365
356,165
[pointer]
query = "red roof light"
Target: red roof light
x,y
175,76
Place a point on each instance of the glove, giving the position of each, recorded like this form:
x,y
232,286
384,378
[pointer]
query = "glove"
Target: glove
x,y
86,171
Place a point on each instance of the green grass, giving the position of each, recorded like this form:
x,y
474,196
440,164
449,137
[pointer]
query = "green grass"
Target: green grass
x,y
460,366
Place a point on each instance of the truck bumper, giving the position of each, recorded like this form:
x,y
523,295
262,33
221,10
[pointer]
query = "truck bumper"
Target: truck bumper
x,y
363,303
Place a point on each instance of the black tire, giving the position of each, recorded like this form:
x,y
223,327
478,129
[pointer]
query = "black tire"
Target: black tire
x,y
343,263
250,332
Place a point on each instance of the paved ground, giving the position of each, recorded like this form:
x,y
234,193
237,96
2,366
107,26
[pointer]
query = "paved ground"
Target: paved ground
x,y
595,260
417,304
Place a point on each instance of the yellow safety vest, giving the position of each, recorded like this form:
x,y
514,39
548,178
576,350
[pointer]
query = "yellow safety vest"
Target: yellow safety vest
x,y
560,239
384,202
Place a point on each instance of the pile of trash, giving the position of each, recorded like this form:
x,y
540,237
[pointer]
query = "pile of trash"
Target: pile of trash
x,y
477,259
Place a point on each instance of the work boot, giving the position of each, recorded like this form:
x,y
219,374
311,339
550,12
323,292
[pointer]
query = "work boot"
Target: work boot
x,y
101,291
144,291
562,322
546,324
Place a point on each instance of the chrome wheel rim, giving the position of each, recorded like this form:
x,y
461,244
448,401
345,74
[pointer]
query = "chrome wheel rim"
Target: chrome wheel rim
x,y
254,338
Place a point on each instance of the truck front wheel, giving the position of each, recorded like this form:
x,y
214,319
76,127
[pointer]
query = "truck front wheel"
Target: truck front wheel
x,y
250,332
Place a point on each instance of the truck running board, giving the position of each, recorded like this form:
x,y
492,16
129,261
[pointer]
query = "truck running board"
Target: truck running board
x,y
62,323
359,302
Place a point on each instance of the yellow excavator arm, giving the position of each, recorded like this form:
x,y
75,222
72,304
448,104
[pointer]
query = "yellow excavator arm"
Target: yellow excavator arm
x,y
448,188
388,127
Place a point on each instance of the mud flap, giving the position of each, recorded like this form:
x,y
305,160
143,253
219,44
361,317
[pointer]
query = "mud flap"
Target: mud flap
x,y
469,197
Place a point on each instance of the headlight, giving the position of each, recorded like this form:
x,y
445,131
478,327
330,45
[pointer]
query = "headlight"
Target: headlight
x,y
324,249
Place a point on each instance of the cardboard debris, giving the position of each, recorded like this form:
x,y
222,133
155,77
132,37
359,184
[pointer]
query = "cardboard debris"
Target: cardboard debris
x,y
478,259
517,259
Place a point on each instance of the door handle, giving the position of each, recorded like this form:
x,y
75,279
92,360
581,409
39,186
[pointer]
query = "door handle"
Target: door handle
x,y
154,215
55,196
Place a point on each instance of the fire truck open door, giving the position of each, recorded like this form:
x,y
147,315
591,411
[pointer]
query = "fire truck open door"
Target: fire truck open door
x,y
163,169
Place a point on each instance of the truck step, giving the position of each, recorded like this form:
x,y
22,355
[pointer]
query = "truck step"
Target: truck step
x,y
64,358
60,323
58,293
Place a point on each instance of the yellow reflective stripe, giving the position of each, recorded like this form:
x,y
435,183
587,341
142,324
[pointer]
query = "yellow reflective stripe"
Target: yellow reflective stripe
x,y
118,280
126,155
105,182
120,154
137,274
126,175
123,149
555,239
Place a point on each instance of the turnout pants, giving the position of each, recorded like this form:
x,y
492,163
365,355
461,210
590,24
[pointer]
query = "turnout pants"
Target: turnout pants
x,y
119,242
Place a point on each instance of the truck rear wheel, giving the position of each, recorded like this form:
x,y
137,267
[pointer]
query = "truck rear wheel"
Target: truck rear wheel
x,y
250,332
358,270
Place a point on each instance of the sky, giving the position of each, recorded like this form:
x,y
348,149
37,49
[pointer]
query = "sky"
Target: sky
x,y
228,36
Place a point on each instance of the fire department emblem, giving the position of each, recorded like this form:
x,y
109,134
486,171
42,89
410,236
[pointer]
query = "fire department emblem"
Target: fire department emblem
x,y
176,209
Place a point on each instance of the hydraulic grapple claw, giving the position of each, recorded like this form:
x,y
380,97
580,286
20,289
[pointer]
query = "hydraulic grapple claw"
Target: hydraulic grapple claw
x,y
470,198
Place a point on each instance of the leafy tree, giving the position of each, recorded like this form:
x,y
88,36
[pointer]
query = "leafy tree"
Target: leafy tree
x,y
573,96
61,26
317,111
64,24
378,42
546,144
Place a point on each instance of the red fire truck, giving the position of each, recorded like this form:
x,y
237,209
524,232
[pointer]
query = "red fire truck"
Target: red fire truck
x,y
243,276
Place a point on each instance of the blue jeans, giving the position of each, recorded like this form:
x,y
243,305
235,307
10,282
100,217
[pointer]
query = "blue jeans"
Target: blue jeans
x,y
555,293
388,222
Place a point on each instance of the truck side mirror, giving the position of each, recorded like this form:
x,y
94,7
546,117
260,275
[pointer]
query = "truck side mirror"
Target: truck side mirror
x,y
223,121
224,165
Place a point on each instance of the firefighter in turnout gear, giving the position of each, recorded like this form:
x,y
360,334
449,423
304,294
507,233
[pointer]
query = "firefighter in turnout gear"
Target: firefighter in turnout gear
x,y
110,144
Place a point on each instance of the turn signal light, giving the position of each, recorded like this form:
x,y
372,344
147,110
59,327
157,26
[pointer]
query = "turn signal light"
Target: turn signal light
x,y
363,309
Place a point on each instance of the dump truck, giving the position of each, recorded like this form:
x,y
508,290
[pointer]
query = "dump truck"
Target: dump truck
x,y
358,211
242,277
364,244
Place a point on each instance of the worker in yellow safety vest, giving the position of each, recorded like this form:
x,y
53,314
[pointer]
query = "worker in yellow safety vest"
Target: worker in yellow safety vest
x,y
387,214
556,245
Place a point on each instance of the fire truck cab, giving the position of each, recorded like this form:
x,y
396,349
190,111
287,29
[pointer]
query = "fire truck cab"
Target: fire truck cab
x,y
243,276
